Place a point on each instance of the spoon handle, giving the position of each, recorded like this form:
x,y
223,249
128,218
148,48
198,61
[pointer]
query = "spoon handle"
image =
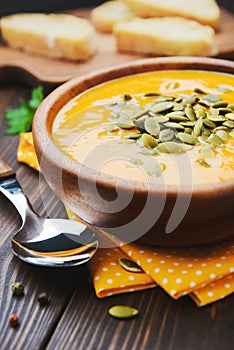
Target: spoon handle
x,y
5,170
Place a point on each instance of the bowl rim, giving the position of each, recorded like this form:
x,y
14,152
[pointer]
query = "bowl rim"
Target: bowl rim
x,y
67,91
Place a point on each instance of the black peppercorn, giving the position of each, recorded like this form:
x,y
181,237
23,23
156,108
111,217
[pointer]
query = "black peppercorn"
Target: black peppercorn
x,y
43,299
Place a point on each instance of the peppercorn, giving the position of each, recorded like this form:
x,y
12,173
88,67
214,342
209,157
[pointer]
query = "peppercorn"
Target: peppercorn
x,y
14,320
17,288
43,299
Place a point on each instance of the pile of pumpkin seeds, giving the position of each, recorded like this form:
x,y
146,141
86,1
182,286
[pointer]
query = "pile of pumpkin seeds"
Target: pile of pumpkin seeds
x,y
176,123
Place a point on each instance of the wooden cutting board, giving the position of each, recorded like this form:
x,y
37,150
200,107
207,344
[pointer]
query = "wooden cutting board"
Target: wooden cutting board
x,y
19,66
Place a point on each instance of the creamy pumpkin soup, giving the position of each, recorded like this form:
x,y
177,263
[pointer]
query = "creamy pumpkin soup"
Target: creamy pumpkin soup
x,y
171,126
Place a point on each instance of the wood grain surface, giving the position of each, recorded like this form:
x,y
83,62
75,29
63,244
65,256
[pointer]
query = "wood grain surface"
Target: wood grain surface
x,y
19,66
76,319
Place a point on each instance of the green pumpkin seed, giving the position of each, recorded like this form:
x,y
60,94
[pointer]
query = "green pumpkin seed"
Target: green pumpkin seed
x,y
188,130
203,163
229,124
198,127
189,111
125,125
205,131
189,100
207,151
140,123
223,89
173,125
160,118
202,139
162,107
199,90
187,138
132,135
177,116
210,99
151,94
177,107
200,113
230,116
156,171
172,147
111,128
223,135
221,127
127,264
219,104
127,97
224,110
149,141
152,126
188,124
123,311
209,123
231,106
166,135
172,85
215,140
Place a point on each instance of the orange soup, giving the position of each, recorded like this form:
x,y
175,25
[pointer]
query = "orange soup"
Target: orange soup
x,y
171,126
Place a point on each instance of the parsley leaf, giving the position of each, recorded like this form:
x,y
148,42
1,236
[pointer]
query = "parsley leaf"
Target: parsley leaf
x,y
20,119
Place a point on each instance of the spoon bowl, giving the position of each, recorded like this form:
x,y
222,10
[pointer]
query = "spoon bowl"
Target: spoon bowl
x,y
42,241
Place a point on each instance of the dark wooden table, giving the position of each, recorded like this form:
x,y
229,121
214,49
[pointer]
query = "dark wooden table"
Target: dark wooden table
x,y
75,317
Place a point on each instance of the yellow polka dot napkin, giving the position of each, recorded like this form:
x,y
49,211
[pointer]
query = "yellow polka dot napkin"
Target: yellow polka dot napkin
x,y
205,273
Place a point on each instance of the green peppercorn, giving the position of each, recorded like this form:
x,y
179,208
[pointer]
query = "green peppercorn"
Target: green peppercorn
x,y
43,299
17,288
14,320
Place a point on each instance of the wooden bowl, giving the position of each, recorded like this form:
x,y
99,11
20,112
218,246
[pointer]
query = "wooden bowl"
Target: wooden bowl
x,y
203,214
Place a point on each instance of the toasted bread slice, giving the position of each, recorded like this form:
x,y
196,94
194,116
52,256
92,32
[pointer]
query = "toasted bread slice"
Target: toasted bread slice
x,y
106,15
203,11
54,35
165,36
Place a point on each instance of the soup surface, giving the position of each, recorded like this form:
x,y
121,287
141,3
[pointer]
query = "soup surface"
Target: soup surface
x,y
168,126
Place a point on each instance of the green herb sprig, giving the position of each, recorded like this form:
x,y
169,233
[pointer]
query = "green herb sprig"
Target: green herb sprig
x,y
20,119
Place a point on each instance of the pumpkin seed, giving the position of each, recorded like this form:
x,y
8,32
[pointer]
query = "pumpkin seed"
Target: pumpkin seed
x,y
203,163
127,97
198,127
187,138
188,130
224,110
188,124
151,94
130,265
202,139
200,113
111,128
229,124
219,104
172,147
177,116
189,111
207,151
221,127
177,107
215,140
230,116
125,125
140,123
149,141
162,107
223,89
156,171
160,118
223,135
172,85
166,135
152,126
132,135
123,311
210,99
189,100
205,131
173,125
231,106
209,123
199,90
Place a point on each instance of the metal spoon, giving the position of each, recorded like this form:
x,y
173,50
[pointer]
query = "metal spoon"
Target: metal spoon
x,y
45,242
